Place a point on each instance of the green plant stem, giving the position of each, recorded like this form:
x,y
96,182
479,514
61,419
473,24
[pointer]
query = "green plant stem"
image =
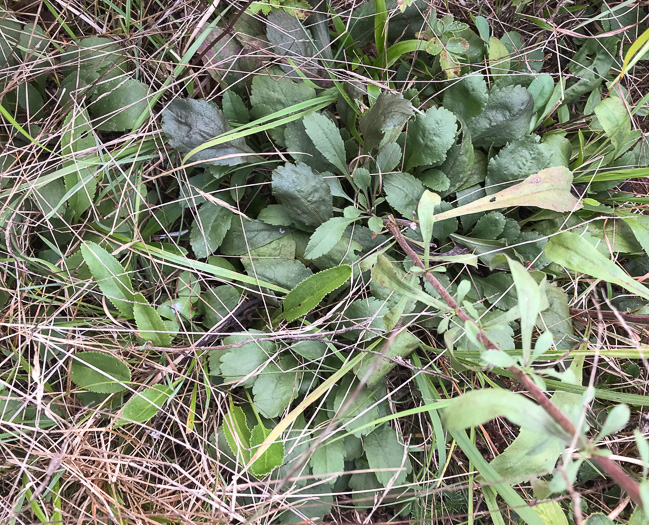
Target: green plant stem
x,y
612,469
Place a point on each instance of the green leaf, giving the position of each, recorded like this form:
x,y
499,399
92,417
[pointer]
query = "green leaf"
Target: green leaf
x,y
479,406
613,115
276,387
209,228
577,254
308,294
376,366
122,101
639,225
95,55
234,108
326,236
305,195
541,90
239,362
429,138
498,61
382,124
459,165
287,273
532,453
272,457
386,456
506,117
301,147
482,25
111,277
359,411
549,189
144,405
490,226
426,215
467,97
598,519
217,303
270,95
237,433
531,300
617,419
311,350
189,123
149,324
291,39
78,137
403,192
389,157
244,236
99,372
517,160
328,458
326,137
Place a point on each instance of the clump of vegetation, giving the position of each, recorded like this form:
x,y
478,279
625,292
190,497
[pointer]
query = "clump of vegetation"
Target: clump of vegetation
x,y
283,262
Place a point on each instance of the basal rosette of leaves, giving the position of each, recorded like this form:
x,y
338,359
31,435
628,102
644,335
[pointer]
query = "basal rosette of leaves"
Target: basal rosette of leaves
x,y
282,191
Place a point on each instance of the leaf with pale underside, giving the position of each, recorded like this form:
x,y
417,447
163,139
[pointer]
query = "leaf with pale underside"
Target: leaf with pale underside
x,y
548,189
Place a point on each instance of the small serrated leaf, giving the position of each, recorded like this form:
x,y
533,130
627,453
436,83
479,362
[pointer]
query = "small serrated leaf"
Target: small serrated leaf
x,y
275,387
111,277
326,138
305,194
273,456
429,138
327,459
237,433
209,228
308,294
325,237
99,372
403,191
150,325
506,117
384,121
245,357
190,123
119,103
386,456
144,405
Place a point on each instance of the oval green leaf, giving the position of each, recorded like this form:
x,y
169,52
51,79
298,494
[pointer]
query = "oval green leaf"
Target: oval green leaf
x,y
144,405
308,294
99,372
149,323
111,277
